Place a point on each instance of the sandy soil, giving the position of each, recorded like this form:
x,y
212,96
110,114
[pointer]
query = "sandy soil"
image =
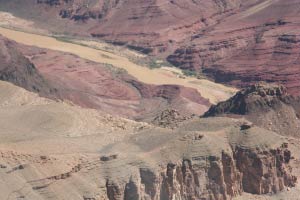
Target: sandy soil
x,y
208,89
50,138
8,20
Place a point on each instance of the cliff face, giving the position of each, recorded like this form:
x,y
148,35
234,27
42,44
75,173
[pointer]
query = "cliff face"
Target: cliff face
x,y
17,69
111,158
149,26
257,43
252,167
225,39
266,105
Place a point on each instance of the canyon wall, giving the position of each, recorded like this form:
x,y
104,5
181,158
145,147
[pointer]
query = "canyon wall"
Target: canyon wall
x,y
221,172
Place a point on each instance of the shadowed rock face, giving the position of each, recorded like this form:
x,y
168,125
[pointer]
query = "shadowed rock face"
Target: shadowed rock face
x,y
267,105
241,164
17,69
254,99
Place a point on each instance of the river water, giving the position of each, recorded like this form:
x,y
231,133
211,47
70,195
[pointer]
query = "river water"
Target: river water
x,y
208,89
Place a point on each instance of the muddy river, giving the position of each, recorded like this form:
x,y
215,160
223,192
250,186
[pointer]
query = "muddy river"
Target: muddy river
x,y
208,89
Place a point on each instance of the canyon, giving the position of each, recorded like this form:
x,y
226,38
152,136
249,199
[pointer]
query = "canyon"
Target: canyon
x,y
257,44
224,40
149,100
86,154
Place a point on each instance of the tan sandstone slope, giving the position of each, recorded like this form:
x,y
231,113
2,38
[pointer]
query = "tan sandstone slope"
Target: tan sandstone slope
x,y
51,150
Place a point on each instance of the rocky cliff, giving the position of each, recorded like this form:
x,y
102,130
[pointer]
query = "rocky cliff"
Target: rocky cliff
x,y
224,40
67,151
149,26
257,43
17,69
266,105
223,178
249,161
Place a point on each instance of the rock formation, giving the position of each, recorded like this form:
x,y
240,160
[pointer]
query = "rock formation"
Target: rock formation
x,y
266,105
17,69
170,118
224,40
247,144
148,26
241,164
110,89
257,43
110,158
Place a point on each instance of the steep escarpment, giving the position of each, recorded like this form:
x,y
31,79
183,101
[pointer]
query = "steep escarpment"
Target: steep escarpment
x,y
17,69
269,106
220,179
224,40
211,169
258,43
148,26
111,158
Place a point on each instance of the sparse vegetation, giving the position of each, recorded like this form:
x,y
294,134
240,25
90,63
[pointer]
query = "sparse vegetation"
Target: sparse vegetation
x,y
187,72
154,63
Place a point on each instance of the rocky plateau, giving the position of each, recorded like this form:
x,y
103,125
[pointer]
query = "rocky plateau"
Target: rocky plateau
x,y
113,158
77,124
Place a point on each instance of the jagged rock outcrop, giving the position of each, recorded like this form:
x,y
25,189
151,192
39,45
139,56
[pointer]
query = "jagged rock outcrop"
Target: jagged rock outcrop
x,y
87,155
170,118
81,10
256,98
17,69
251,161
266,105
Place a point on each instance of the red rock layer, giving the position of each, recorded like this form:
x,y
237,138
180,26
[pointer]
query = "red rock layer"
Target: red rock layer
x,y
151,26
233,41
259,43
109,89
